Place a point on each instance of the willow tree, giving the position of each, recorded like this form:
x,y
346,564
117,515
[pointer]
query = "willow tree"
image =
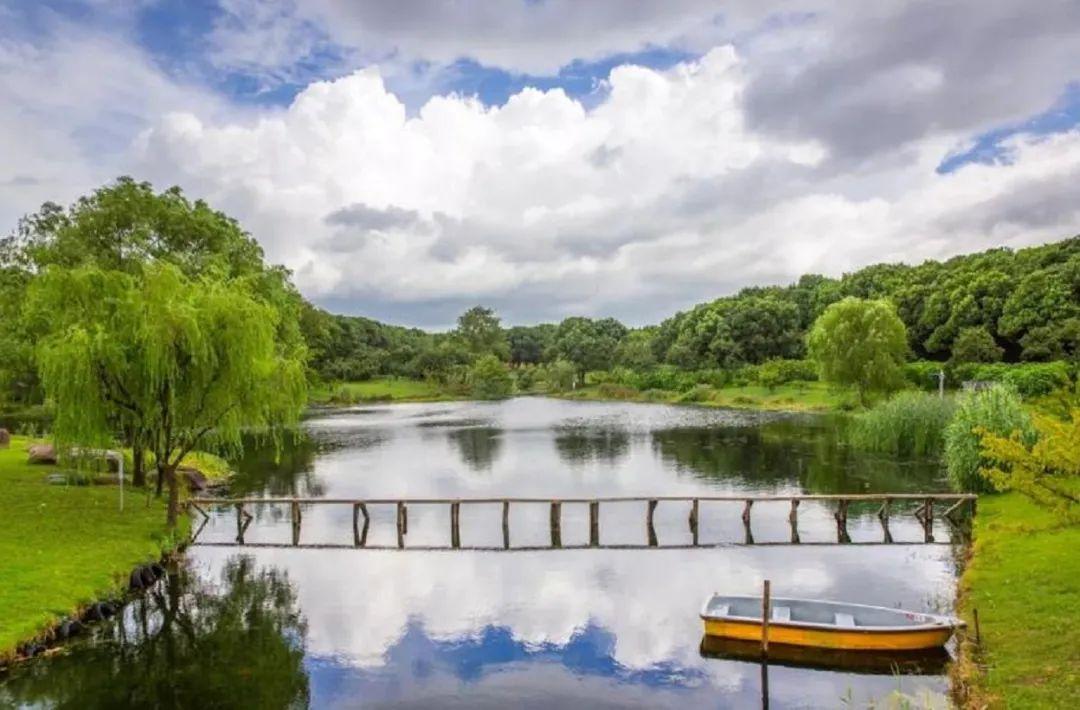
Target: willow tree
x,y
859,343
189,363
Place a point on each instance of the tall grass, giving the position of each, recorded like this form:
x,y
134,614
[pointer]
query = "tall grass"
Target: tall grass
x,y
998,410
908,424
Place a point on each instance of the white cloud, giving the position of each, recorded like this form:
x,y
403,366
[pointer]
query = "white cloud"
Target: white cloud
x,y
662,190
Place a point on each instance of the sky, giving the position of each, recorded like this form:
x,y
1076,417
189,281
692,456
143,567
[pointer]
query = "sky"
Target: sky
x,y
548,158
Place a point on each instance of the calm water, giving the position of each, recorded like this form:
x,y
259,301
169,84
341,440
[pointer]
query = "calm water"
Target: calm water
x,y
280,627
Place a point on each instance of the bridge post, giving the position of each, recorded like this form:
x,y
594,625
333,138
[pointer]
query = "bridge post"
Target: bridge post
x,y
295,523
455,530
651,530
556,524
506,524
240,523
401,524
594,523
694,521
793,520
747,504
841,522
360,538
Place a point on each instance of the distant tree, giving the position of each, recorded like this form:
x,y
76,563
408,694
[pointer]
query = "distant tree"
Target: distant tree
x,y
480,330
560,375
185,363
859,343
489,378
587,343
976,345
1042,342
635,350
529,344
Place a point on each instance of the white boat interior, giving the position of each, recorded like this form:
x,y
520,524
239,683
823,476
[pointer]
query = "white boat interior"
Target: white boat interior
x,y
823,613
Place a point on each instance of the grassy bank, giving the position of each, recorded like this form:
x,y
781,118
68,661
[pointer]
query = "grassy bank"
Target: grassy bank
x,y
793,396
380,390
64,546
1024,578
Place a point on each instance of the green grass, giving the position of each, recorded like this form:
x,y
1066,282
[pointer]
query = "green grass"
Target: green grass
x,y
794,396
380,390
64,546
1024,578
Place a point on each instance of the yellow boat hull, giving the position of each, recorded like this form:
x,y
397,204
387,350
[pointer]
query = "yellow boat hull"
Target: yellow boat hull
x,y
842,639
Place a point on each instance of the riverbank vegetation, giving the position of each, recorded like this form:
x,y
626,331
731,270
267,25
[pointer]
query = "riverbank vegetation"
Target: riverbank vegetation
x,y
65,545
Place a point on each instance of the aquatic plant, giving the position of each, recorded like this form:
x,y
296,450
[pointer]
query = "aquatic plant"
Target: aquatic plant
x,y
908,424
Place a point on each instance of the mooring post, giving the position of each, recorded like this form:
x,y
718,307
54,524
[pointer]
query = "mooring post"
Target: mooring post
x,y
594,523
556,524
651,530
455,530
766,612
506,524
694,521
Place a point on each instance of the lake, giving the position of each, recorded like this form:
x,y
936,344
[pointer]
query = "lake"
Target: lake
x,y
282,627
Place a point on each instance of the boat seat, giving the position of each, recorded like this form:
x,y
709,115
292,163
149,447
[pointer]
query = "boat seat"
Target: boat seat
x,y
781,613
721,610
845,620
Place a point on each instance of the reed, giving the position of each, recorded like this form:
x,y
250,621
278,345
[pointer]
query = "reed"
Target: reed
x,y
908,424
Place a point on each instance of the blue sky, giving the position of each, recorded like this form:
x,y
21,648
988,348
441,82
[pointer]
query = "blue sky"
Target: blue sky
x,y
755,142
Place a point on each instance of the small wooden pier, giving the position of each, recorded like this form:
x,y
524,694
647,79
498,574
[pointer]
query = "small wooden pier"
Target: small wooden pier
x,y
952,508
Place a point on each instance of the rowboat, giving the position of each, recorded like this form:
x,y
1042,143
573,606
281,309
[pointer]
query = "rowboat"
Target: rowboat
x,y
825,624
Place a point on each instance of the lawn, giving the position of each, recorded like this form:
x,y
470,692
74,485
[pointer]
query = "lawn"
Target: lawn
x,y
380,390
65,546
1024,579
794,396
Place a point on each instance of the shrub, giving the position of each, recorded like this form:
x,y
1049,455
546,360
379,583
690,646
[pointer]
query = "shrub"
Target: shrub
x,y
599,377
908,424
609,390
1028,379
976,345
997,410
773,373
488,378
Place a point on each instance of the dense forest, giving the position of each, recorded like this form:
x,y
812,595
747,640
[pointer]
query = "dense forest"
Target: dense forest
x,y
997,305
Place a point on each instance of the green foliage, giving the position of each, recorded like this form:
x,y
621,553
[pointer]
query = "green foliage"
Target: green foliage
x,y
996,410
559,376
1047,472
635,350
976,345
859,343
489,378
907,424
530,344
773,373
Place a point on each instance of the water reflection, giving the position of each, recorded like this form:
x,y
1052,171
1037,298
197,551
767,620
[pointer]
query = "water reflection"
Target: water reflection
x,y
561,628
237,642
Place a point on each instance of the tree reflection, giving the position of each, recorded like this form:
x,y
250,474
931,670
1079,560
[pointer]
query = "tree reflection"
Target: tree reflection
x,y
810,453
278,470
478,446
186,644
582,445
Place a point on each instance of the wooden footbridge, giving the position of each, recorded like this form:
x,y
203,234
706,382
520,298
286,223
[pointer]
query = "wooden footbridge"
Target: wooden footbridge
x,y
925,507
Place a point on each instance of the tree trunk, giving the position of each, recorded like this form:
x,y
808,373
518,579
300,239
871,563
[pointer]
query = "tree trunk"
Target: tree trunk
x,y
160,479
173,514
138,467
